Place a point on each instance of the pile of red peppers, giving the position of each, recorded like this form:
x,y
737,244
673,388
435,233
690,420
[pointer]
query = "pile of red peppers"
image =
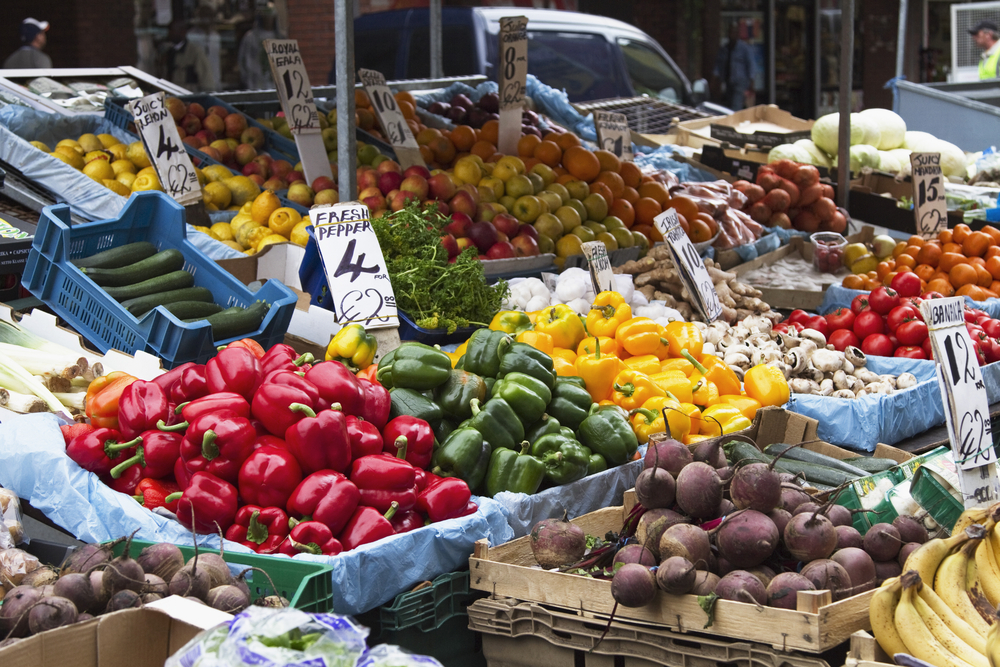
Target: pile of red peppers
x,y
278,454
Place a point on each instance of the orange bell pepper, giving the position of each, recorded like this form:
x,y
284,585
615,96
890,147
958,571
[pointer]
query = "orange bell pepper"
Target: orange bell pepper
x,y
704,391
717,371
588,346
103,394
645,363
536,339
250,344
694,413
368,373
607,314
563,353
632,389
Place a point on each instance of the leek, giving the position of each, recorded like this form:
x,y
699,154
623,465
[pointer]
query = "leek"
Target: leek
x,y
22,403
73,399
12,334
15,378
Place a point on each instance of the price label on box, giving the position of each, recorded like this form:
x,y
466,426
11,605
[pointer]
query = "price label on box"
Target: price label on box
x,y
966,407
513,80
390,118
164,147
601,274
689,265
354,265
613,133
928,194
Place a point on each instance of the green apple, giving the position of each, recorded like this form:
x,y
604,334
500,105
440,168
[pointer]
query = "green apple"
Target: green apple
x,y
549,225
527,208
585,234
578,190
551,198
559,189
596,205
518,186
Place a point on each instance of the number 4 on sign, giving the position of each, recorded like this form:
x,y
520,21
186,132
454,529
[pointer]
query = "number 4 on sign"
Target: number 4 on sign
x,y
165,147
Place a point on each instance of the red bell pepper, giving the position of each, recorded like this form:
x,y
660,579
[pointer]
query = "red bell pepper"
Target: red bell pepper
x,y
336,384
268,477
368,525
100,450
311,537
234,369
470,508
272,440
250,345
125,483
279,406
425,478
70,431
191,385
151,493
207,505
326,496
170,378
225,401
283,357
181,474
293,380
101,401
218,443
384,480
320,442
156,454
259,528
377,403
444,499
141,406
404,522
416,434
365,438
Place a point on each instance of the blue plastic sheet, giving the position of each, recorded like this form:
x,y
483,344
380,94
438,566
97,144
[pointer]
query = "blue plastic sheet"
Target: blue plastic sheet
x,y
34,465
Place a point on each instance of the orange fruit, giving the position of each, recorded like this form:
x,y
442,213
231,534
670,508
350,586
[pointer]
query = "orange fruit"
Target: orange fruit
x,y
963,274
490,132
959,232
992,251
563,179
951,247
976,243
427,135
993,232
526,145
609,161
407,109
646,209
995,286
484,149
567,140
405,96
624,211
924,271
929,254
940,285
365,119
915,240
631,195
614,182
899,249
427,154
913,250
444,150
884,268
700,232
361,99
944,236
887,280
602,190
631,174
974,292
581,163
984,276
854,282
463,137
950,260
976,260
993,266
656,191
548,152
905,260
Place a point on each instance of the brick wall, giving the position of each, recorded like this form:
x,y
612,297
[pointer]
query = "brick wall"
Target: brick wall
x,y
311,22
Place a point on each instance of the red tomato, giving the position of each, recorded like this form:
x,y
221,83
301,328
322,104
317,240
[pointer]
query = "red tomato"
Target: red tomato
x,y
932,295
981,319
911,333
928,350
841,339
970,315
913,301
798,326
781,327
883,299
991,349
818,323
906,284
878,345
842,318
910,352
898,315
868,323
859,303
798,315
992,328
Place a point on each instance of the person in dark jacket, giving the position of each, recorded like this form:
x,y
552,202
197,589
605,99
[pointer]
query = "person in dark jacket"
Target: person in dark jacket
x,y
735,69
30,56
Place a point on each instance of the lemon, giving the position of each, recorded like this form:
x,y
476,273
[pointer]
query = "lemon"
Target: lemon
x,y
126,178
299,235
107,140
211,207
40,146
118,152
207,231
283,220
242,233
116,187
64,158
202,179
147,170
569,245
88,142
123,166
244,190
70,143
219,194
238,221
216,172
270,239
255,236
136,154
467,171
223,231
73,158
97,155
147,181
263,206
233,244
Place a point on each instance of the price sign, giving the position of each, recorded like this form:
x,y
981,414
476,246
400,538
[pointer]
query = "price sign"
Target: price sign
x,y
390,118
354,266
613,133
163,145
513,80
965,404
928,194
600,266
689,264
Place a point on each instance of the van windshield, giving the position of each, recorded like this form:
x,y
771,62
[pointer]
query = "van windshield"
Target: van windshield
x,y
650,73
580,63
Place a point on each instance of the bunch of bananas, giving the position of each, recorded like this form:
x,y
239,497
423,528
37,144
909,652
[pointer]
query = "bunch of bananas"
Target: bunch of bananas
x,y
942,610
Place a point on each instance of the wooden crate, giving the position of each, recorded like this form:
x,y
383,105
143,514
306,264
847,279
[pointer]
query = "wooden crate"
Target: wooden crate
x,y
865,652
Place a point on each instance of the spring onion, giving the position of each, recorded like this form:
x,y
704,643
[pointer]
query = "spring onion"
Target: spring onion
x,y
73,399
14,377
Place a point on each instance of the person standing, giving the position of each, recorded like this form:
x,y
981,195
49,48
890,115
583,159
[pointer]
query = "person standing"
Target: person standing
x,y
255,70
735,69
185,62
30,56
985,34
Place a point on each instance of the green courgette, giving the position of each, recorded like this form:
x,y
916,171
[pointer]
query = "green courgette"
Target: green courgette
x,y
738,450
808,456
813,472
143,304
159,264
233,322
171,281
871,464
184,310
115,258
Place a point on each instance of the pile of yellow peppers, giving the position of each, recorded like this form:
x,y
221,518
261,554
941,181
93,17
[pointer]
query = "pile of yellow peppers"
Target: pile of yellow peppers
x,y
657,374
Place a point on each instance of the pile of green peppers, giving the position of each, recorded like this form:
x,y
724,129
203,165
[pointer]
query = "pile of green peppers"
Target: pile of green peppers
x,y
503,419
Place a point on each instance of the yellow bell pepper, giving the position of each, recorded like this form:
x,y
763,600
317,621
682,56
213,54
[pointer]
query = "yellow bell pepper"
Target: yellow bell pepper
x,y
588,346
606,401
646,423
694,439
677,421
511,321
352,346
563,367
748,406
674,382
454,356
632,389
694,414
533,316
684,336
536,339
563,353
680,364
608,313
722,419
703,391
564,325
645,363
598,372
460,350
715,370
766,384
641,335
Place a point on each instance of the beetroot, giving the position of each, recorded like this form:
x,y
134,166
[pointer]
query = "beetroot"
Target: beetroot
x,y
746,538
76,588
671,546
780,518
723,567
85,558
43,576
905,551
670,454
216,568
755,486
792,497
810,506
828,575
725,473
632,553
810,537
14,612
882,542
100,595
123,573
633,585
848,536
51,613
839,515
725,507
699,490
161,559
910,530
783,590
886,569
695,540
704,583
652,524
228,598
124,599
741,586
557,542
676,576
710,452
859,566
762,572
654,488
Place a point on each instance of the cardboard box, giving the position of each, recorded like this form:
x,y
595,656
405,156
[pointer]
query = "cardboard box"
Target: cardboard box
x,y
764,126
868,202
15,243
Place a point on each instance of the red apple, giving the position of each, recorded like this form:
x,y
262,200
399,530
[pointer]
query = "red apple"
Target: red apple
x,y
235,125
367,178
369,192
190,123
389,181
472,191
194,141
500,251
463,203
483,234
324,183
389,165
325,197
459,225
253,136
206,136
294,176
502,238
254,168
527,230
212,153
506,223
273,183
374,203
214,124
463,243
449,243
218,110
264,159
442,208
401,198
259,180
415,184
176,107
441,187
196,110
525,246
418,171
225,152
281,168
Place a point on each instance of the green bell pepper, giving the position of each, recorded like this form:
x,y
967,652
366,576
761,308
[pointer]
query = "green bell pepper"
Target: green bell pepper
x,y
460,364
517,472
527,395
609,434
498,423
442,432
482,355
574,380
547,424
490,382
564,458
465,454
595,462
413,403
457,392
415,366
522,358
570,404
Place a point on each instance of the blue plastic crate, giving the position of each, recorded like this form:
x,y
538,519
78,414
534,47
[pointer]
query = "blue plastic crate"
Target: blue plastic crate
x,y
408,330
153,217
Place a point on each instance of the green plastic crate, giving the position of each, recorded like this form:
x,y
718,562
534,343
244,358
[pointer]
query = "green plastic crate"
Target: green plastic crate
x,y
307,586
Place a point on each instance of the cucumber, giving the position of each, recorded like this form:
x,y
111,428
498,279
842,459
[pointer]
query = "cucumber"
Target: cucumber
x,y
116,258
172,281
184,310
152,267
235,321
807,456
815,473
143,304
738,450
871,464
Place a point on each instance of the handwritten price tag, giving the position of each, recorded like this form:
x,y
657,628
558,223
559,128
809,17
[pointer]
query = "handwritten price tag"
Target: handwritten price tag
x,y
513,80
390,118
354,265
600,266
928,194
689,264
292,81
613,133
965,404
163,145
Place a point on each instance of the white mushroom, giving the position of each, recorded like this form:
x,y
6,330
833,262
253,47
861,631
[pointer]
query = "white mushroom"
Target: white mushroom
x,y
889,380
854,384
739,372
737,359
843,393
814,336
815,374
905,381
797,359
712,336
760,340
855,356
827,360
866,375
826,387
861,392
840,380
808,346
848,366
771,354
708,348
802,386
743,349
879,388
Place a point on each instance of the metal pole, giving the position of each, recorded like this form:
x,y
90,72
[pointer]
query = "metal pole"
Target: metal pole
x,y
347,142
846,70
437,70
901,39
771,36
